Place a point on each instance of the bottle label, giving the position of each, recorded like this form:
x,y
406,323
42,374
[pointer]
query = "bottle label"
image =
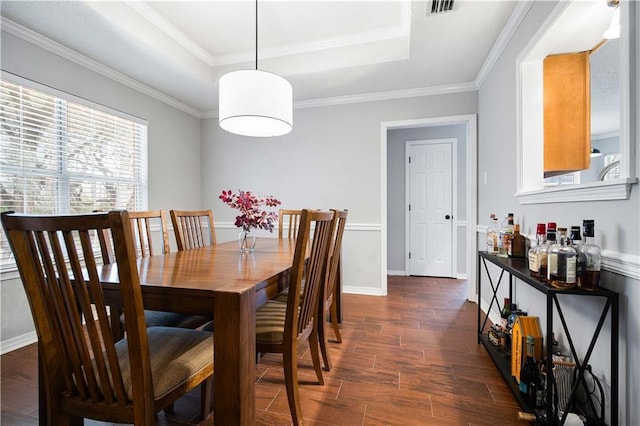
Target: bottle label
x,y
571,270
534,264
552,265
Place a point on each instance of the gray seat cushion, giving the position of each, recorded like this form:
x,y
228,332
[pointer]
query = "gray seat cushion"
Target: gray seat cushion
x,y
270,319
176,354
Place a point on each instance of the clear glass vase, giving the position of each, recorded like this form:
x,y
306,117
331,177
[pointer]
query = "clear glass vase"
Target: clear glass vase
x,y
246,241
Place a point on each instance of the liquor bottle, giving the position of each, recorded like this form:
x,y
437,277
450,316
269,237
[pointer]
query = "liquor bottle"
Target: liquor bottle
x,y
575,240
517,244
512,316
550,240
505,234
529,372
561,263
506,308
492,235
593,257
534,251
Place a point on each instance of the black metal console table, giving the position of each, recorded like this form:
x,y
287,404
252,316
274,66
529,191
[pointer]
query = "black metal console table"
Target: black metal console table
x,y
518,268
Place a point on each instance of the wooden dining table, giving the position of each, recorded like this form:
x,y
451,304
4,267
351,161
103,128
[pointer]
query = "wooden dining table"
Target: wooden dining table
x,y
227,285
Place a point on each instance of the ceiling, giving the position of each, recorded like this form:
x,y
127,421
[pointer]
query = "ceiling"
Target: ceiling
x,y
326,49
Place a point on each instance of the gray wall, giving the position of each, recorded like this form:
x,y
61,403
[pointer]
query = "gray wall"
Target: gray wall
x,y
338,164
396,193
173,149
617,223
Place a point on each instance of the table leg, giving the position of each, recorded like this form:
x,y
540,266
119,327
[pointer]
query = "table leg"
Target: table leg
x,y
234,358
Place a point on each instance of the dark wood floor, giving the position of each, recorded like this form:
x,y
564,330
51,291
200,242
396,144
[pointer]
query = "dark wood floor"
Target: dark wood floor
x,y
410,358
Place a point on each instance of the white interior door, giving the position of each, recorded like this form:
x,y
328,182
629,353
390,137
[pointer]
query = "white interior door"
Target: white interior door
x,y
430,208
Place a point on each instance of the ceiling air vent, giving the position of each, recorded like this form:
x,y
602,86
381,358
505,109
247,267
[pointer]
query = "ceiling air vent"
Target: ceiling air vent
x,y
440,6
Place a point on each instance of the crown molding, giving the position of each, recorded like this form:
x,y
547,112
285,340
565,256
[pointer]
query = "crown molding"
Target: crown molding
x,y
520,11
402,29
387,95
69,54
376,96
159,21
56,48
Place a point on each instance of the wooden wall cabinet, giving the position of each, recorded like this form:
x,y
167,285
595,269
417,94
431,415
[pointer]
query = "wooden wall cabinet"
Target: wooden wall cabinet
x,y
567,113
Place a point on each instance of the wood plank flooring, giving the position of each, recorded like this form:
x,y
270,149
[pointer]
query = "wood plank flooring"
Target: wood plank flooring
x,y
410,358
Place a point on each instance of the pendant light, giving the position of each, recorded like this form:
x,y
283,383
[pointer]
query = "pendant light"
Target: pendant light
x,y
255,103
614,28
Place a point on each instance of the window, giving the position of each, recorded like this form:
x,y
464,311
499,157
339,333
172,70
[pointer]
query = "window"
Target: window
x,y
578,26
59,156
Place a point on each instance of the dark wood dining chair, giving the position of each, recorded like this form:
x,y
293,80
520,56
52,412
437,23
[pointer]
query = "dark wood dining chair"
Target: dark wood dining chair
x,y
193,228
282,327
328,301
142,225
289,219
85,372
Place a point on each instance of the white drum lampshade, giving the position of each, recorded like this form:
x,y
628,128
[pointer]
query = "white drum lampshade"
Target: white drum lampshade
x,y
255,103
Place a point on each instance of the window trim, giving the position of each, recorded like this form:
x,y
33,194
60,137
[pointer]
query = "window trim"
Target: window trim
x,y
8,268
530,188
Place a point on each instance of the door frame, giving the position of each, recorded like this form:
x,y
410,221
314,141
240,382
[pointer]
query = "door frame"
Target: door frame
x,y
470,122
454,199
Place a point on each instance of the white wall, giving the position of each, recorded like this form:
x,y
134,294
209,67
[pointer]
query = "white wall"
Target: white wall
x,y
173,148
331,159
617,224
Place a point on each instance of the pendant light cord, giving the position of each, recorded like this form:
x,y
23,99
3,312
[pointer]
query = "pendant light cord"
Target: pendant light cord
x,y
256,35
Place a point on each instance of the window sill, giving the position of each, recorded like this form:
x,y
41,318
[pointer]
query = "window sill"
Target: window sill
x,y
598,191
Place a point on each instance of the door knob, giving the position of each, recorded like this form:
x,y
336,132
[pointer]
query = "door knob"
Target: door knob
x,y
448,217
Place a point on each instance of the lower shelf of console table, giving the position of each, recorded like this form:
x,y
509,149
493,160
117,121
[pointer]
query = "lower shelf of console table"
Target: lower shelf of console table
x,y
518,268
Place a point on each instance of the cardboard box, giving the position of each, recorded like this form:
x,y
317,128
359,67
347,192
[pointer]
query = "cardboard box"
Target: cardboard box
x,y
523,327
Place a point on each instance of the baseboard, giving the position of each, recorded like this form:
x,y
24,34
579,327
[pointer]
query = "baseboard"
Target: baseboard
x,y
396,273
18,342
493,315
365,291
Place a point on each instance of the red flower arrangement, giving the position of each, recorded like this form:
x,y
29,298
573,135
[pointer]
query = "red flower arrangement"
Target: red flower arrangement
x,y
251,215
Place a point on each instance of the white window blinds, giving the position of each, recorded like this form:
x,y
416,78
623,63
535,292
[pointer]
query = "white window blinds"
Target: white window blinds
x,y
61,157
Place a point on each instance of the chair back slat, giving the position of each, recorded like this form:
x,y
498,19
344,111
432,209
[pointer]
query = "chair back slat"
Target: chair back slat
x,y
301,310
99,331
193,229
52,302
334,255
141,223
56,258
290,218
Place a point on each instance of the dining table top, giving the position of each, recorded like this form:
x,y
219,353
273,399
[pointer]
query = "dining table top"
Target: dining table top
x,y
216,268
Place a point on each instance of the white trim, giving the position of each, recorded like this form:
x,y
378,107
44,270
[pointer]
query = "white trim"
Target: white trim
x,y
453,142
375,96
348,227
470,122
393,272
596,191
624,264
387,95
64,52
73,56
10,77
400,30
18,342
520,11
529,117
494,316
365,291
